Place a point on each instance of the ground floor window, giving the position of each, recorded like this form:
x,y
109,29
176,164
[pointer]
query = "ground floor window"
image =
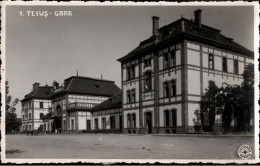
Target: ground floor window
x,y
133,120
88,124
64,124
170,118
128,121
96,124
167,118
72,124
30,127
104,123
112,122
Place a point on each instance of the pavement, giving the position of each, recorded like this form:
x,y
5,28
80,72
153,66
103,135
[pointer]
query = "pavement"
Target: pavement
x,y
121,146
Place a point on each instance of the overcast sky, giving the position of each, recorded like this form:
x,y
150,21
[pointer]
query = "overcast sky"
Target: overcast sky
x,y
40,49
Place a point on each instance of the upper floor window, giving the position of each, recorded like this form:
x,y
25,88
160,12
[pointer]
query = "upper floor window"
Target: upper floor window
x,y
173,88
235,66
169,88
148,81
166,61
147,62
133,96
41,104
173,59
41,115
30,104
224,64
128,96
130,72
30,116
211,61
23,117
166,89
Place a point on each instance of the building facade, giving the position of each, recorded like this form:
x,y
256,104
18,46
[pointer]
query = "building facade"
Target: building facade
x,y
164,78
34,106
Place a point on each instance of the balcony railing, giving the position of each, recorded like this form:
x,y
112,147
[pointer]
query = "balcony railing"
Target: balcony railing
x,y
82,105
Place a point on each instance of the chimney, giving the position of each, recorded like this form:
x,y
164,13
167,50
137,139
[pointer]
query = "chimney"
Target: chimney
x,y
55,85
36,85
197,15
155,25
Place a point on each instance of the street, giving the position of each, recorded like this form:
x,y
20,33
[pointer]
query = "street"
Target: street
x,y
119,146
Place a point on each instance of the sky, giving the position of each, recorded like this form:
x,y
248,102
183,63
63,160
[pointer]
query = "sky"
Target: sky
x,y
42,50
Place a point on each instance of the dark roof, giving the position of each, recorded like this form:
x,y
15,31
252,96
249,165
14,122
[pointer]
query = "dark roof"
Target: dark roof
x,y
113,102
89,86
184,28
43,92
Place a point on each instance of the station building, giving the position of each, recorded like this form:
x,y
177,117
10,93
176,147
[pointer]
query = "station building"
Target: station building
x,y
164,78
69,105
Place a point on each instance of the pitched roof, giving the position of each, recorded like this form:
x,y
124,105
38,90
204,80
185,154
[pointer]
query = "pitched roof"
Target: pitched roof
x,y
184,28
43,92
113,102
89,86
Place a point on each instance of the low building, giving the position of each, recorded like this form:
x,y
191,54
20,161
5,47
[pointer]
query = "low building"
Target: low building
x,y
107,116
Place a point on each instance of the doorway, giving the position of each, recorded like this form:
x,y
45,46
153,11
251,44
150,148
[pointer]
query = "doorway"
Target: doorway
x,y
148,120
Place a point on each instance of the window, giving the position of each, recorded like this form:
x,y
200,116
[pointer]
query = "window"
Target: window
x,y
133,71
96,124
174,118
235,66
128,96
147,62
224,64
128,73
211,62
41,104
30,105
133,96
112,122
128,121
167,118
104,123
23,117
72,124
166,61
64,124
148,81
30,116
173,88
173,59
41,116
88,124
133,121
166,89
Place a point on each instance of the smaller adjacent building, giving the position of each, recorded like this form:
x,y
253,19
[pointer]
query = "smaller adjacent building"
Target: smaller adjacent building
x,y
107,116
34,106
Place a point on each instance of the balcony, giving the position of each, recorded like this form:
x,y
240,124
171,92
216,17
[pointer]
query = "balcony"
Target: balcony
x,y
80,105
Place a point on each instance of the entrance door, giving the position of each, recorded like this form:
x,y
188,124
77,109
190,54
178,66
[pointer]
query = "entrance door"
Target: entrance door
x,y
56,124
148,119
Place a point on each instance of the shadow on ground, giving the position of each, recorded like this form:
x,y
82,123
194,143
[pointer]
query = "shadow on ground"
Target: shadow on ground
x,y
12,151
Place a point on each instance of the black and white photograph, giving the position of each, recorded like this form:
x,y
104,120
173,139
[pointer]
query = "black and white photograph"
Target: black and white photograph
x,y
129,82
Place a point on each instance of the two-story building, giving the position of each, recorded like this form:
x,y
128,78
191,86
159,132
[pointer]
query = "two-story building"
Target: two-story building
x,y
34,106
164,78
73,101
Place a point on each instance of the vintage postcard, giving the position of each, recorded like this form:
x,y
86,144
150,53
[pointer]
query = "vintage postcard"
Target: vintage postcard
x,y
129,82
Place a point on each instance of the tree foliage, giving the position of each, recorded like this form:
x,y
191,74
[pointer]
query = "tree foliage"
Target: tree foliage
x,y
12,123
235,102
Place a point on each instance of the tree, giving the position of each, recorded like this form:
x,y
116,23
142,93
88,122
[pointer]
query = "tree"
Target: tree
x,y
236,101
209,106
12,123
